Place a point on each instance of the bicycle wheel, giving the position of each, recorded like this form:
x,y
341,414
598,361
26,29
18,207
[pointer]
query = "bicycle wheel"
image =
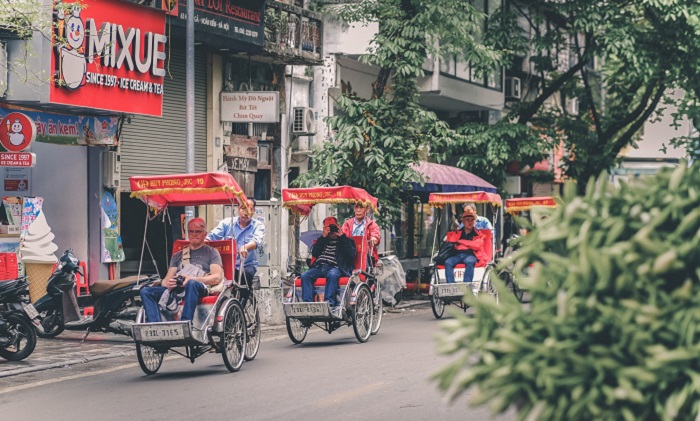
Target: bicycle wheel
x,y
438,306
296,330
519,293
254,330
22,335
233,338
378,310
149,359
362,314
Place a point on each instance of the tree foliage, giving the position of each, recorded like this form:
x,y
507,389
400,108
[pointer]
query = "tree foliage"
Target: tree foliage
x,y
622,60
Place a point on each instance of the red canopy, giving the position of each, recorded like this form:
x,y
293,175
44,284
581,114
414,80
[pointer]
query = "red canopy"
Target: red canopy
x,y
302,200
520,204
439,200
160,191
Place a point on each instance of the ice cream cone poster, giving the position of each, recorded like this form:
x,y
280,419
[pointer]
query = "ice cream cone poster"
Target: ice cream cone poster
x,y
112,249
30,210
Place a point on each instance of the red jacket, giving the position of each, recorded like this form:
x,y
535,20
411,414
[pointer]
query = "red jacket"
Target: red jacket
x,y
476,245
371,231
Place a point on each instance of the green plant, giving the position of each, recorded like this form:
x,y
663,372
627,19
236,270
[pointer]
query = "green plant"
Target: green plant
x,y
611,331
540,176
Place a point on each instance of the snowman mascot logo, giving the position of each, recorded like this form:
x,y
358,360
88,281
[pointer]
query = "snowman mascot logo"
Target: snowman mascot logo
x,y
71,51
16,136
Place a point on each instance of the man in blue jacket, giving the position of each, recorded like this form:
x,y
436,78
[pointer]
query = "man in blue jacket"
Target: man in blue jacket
x,y
334,255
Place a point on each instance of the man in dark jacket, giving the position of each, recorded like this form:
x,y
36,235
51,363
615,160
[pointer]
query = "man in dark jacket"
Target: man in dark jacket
x,y
334,255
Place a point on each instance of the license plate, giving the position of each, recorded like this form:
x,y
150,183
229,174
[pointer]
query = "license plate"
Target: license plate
x,y
308,309
30,310
451,290
162,332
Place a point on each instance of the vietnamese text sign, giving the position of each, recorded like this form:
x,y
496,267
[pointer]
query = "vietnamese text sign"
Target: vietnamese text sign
x,y
218,21
17,159
250,107
108,55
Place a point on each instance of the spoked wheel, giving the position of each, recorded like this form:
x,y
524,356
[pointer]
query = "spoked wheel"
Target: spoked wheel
x,y
233,338
438,306
296,330
489,287
378,310
362,314
519,293
21,338
149,359
52,322
254,330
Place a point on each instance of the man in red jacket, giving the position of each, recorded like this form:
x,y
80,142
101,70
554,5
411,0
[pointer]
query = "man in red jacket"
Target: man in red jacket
x,y
469,243
360,226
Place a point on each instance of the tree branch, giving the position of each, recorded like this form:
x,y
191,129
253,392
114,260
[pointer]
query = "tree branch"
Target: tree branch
x,y
623,140
589,90
633,115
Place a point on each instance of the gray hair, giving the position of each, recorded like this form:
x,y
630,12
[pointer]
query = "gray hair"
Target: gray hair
x,y
469,205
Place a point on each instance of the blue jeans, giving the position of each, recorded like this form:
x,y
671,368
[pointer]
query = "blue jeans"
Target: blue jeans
x,y
332,275
151,295
469,261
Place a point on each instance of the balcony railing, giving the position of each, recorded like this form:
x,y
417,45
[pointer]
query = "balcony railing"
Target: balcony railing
x,y
292,34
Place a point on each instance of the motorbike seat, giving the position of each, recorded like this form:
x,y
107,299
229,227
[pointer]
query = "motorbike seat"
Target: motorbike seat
x,y
102,287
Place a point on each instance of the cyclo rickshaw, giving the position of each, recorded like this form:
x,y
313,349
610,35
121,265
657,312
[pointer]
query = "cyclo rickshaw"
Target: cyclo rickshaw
x,y
441,293
219,322
359,293
523,207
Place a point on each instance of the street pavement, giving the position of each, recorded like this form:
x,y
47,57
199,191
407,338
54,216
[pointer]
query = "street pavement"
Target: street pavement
x,y
328,376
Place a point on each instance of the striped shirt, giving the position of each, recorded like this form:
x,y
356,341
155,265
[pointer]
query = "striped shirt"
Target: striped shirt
x,y
328,255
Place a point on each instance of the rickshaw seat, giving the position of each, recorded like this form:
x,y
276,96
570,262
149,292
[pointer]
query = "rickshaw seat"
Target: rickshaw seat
x,y
360,263
209,299
488,250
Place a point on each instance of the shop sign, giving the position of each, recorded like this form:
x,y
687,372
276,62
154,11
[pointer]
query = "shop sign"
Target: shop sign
x,y
250,107
242,155
63,129
17,132
17,159
223,20
16,179
108,55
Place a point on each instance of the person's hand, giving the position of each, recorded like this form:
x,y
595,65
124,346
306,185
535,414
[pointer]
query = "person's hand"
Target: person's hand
x,y
373,241
243,252
170,283
326,231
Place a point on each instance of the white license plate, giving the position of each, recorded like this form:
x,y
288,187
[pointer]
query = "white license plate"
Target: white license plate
x,y
30,310
308,309
452,290
162,332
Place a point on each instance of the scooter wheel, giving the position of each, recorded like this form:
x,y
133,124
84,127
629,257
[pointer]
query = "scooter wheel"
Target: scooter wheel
x,y
23,335
52,321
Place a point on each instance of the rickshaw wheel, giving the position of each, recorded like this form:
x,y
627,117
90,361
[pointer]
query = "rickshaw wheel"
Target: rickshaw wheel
x,y
378,310
254,330
438,306
519,293
362,314
233,338
149,359
490,288
296,330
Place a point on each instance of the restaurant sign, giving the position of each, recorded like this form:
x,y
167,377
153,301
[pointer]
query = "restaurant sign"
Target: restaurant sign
x,y
250,107
108,55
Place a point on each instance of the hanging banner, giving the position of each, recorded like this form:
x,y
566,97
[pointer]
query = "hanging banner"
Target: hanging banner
x,y
64,129
108,55
112,248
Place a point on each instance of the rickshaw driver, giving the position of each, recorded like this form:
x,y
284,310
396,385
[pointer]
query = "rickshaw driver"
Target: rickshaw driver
x,y
469,244
335,256
250,234
360,226
206,258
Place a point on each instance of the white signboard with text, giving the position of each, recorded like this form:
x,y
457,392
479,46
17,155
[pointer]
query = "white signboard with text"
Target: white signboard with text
x,y
250,107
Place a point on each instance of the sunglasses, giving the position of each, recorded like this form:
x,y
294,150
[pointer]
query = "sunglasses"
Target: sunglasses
x,y
195,232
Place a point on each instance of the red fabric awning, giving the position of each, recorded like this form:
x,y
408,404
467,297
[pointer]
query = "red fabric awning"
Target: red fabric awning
x,y
301,200
439,200
444,178
160,191
520,204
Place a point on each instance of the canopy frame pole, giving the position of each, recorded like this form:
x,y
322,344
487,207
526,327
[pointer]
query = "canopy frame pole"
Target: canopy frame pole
x,y
143,244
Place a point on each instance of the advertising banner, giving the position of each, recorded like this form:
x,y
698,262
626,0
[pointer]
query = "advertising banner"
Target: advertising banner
x,y
108,55
112,249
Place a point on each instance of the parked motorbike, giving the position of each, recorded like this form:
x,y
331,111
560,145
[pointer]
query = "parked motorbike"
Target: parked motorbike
x,y
115,305
18,319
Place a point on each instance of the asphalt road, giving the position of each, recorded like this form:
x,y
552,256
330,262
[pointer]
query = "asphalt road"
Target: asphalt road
x,y
326,377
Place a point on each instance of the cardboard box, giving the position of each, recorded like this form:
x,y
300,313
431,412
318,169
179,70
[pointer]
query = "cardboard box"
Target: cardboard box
x,y
10,229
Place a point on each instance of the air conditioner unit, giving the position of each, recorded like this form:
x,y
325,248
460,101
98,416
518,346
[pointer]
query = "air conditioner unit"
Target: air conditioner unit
x,y
111,169
304,121
572,108
513,88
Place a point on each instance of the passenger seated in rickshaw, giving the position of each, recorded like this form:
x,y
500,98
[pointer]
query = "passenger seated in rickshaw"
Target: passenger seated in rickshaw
x,y
201,268
469,245
360,226
334,255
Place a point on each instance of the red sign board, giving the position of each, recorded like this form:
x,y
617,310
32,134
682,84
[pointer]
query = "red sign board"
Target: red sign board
x,y
17,159
108,55
17,132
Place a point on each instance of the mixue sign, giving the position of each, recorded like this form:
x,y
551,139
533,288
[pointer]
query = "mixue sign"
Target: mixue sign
x,y
108,55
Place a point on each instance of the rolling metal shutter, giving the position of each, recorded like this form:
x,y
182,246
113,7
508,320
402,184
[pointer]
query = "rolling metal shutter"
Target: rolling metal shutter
x,y
156,145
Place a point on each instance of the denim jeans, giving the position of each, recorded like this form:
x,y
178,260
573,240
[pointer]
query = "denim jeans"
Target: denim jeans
x,y
332,275
151,295
469,261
